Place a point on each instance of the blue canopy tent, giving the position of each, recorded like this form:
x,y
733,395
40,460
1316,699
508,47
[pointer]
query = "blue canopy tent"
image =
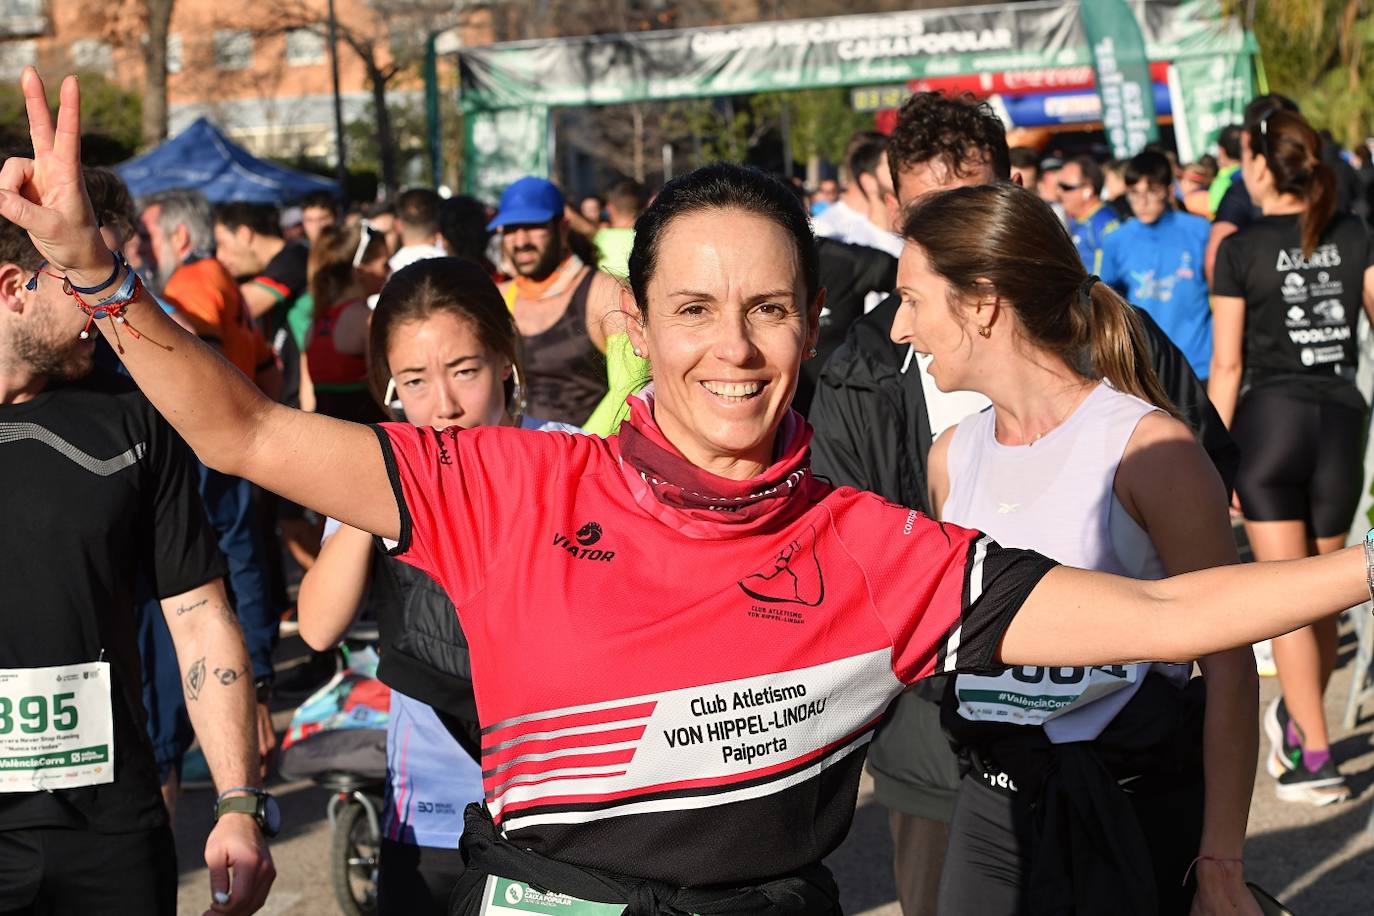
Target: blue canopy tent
x,y
203,158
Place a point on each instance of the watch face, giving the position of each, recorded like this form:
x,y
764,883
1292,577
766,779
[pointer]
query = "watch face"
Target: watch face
x,y
271,815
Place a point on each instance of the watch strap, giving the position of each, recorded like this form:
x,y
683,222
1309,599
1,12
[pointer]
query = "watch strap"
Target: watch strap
x,y
238,804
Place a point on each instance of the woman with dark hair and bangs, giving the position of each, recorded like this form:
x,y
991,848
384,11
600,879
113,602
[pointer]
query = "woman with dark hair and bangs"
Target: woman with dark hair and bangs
x,y
1286,294
681,640
443,346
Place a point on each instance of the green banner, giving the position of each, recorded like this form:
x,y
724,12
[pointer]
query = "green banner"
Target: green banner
x,y
1208,93
522,80
503,145
1123,75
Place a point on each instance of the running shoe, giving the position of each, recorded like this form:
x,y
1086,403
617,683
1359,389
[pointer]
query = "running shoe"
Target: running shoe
x,y
1324,787
1264,659
1283,757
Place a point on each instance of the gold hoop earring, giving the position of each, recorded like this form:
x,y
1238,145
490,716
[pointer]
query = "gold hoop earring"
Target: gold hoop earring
x,y
985,331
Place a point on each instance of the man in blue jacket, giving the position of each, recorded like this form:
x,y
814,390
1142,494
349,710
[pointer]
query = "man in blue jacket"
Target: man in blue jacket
x,y
1090,220
1156,261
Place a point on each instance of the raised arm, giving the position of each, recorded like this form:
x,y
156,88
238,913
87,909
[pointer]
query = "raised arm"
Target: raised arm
x,y
1078,618
333,467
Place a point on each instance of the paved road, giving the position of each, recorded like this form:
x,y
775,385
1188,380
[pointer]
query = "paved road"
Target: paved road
x,y
1316,860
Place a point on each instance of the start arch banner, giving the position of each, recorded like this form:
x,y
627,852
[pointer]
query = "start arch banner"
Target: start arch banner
x,y
507,89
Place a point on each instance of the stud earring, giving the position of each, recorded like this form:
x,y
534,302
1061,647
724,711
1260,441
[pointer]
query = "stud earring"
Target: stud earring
x,y
985,331
811,354
639,352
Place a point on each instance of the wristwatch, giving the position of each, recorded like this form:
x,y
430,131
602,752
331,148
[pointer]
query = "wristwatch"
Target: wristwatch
x,y
257,804
262,689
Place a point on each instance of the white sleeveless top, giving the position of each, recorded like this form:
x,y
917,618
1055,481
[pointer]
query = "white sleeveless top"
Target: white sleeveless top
x,y
1056,497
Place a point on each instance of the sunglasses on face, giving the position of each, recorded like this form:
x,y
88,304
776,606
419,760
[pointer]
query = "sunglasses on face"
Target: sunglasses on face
x,y
1066,187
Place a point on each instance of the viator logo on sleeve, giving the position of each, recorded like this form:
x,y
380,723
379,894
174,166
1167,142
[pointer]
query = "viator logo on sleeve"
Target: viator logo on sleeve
x,y
56,731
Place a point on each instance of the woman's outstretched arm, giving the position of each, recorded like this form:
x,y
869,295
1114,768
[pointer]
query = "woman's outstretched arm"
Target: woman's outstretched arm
x,y
333,467
1079,618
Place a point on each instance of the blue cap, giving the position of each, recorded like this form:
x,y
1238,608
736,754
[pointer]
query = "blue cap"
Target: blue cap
x,y
528,201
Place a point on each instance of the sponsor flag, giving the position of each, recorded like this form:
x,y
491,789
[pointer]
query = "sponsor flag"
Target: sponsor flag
x,y
1123,75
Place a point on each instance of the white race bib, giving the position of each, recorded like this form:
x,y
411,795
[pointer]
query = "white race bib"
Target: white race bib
x,y
56,730
1033,694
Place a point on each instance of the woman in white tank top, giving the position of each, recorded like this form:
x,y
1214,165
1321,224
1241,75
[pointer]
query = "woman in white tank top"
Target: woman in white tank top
x,y
1093,474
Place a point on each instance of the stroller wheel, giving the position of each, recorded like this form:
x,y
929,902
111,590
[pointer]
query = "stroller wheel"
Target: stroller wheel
x,y
354,853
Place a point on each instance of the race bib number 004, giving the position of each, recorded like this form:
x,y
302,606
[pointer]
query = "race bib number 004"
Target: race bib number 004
x,y
56,731
1032,695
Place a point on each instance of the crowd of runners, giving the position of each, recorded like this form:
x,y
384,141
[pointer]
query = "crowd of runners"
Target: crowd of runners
x,y
675,510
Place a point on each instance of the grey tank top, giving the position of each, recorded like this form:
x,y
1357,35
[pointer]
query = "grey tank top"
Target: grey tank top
x,y
565,372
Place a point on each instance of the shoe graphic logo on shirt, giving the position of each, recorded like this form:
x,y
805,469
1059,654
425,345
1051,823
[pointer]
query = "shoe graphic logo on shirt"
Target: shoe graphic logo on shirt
x,y
1007,508
588,534
794,577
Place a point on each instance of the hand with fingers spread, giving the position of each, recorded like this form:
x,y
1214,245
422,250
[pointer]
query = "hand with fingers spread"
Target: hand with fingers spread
x,y
46,196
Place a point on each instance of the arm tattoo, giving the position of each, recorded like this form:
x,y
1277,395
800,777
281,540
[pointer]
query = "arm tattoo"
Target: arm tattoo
x,y
228,676
195,679
188,608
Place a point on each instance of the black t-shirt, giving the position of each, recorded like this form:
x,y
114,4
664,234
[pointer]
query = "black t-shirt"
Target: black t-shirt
x,y
99,491
1300,311
1236,207
285,278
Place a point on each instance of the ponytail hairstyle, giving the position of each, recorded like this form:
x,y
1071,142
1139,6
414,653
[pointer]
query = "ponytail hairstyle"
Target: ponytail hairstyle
x,y
453,286
1003,240
1292,152
333,258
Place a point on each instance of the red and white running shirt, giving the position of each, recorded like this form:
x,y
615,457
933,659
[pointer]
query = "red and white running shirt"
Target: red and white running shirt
x,y
676,699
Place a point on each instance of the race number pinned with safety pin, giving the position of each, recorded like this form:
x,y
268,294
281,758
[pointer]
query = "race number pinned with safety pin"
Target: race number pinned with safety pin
x,y
56,730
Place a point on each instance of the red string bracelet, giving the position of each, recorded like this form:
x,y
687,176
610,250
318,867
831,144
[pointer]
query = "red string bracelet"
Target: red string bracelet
x,y
111,308
1193,864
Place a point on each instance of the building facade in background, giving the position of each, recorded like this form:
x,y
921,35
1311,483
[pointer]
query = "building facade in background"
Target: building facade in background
x,y
258,69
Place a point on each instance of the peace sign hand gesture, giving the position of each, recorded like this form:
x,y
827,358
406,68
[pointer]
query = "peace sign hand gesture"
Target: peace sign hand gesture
x,y
45,195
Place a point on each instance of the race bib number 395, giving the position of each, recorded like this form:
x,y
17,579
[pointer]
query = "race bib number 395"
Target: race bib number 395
x,y
56,730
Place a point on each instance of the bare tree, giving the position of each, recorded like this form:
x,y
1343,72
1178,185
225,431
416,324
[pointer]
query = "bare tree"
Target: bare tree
x,y
159,14
388,38
140,27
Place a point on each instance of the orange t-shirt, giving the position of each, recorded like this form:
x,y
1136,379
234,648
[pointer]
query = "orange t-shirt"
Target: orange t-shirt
x,y
208,297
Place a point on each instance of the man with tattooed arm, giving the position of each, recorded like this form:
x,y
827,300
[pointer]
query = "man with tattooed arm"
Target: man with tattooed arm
x,y
98,492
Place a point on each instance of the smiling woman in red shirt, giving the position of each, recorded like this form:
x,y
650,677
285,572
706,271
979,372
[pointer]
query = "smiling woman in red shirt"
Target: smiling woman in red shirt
x,y
681,639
